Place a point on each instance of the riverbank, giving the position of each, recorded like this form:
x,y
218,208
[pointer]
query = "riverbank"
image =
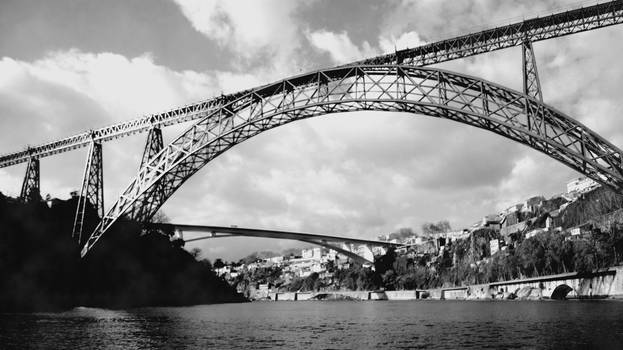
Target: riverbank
x,y
603,284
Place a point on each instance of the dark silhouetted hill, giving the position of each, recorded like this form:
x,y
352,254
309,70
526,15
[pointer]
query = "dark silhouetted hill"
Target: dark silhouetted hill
x,y
41,268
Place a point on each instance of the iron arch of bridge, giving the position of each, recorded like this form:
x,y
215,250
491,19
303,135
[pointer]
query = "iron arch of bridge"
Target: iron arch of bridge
x,y
415,90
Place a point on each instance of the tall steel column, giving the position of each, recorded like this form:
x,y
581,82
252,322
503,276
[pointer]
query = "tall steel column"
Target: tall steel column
x,y
153,146
92,191
30,186
531,83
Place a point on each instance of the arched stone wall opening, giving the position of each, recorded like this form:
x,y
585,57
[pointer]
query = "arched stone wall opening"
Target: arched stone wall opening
x,y
561,292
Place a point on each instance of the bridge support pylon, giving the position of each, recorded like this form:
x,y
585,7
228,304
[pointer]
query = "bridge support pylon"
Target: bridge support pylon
x,y
31,184
92,190
531,82
531,86
153,146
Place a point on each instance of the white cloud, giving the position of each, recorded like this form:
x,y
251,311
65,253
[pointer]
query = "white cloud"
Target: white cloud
x,y
245,26
342,50
124,87
407,40
9,185
339,46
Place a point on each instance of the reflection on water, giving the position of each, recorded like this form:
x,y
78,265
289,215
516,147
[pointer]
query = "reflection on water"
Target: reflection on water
x,y
337,325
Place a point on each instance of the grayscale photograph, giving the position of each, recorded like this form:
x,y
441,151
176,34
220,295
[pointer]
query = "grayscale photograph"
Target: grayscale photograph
x,y
311,174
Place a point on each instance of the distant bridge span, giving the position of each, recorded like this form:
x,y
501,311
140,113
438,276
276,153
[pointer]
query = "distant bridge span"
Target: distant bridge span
x,y
322,240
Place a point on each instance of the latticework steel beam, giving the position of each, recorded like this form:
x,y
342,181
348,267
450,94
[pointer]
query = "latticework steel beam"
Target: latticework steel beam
x,y
531,82
414,90
536,29
92,191
543,28
30,185
112,132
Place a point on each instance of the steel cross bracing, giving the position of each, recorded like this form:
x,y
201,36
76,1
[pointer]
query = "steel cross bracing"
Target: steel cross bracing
x,y
556,25
30,185
409,89
531,83
92,191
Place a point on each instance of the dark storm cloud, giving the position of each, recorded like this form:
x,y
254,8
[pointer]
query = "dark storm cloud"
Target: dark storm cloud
x,y
131,28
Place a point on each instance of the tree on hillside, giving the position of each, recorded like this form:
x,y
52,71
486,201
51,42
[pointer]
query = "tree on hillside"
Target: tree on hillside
x,y
218,263
402,233
385,262
160,218
441,226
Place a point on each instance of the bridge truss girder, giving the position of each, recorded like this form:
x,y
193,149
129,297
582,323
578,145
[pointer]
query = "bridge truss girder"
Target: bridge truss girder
x,y
535,29
31,189
92,190
408,89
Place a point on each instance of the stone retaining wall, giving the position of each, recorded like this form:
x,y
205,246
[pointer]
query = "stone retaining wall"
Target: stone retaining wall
x,y
602,284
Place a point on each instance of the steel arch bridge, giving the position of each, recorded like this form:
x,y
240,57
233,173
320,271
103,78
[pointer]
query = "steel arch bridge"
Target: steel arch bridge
x,y
389,82
397,88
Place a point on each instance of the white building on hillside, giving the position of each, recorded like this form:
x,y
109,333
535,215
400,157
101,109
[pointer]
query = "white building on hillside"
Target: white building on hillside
x,y
312,253
275,260
581,185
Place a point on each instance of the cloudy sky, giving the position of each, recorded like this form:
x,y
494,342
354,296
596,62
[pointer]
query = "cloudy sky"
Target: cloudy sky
x,y
68,66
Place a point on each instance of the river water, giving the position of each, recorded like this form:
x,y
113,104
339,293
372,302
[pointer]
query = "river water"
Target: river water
x,y
326,325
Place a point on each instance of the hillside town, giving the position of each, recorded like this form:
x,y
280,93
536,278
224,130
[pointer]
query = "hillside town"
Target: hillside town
x,y
437,248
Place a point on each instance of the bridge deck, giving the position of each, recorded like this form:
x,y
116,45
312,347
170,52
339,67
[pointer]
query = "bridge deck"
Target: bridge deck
x,y
222,231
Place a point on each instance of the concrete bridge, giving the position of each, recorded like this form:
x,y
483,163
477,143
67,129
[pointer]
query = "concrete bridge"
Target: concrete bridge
x,y
340,244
